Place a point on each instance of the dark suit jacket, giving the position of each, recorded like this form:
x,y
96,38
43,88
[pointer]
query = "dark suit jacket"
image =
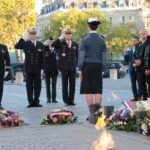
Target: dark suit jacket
x,y
68,57
129,58
4,57
140,53
50,61
147,58
33,55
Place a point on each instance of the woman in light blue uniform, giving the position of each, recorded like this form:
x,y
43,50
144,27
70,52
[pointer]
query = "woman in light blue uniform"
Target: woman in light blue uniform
x,y
92,58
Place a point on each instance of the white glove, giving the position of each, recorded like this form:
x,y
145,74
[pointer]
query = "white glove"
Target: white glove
x,y
46,43
62,36
26,36
6,73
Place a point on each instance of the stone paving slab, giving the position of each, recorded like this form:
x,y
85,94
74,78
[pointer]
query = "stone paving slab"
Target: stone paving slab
x,y
79,136
68,137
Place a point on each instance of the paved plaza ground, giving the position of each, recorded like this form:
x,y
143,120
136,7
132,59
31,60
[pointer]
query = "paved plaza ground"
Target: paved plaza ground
x,y
78,136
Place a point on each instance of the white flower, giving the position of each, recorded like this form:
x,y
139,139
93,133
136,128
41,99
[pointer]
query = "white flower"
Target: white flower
x,y
125,123
144,128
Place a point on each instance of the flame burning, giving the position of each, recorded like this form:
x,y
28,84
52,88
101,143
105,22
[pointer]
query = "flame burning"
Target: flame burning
x,y
105,141
101,124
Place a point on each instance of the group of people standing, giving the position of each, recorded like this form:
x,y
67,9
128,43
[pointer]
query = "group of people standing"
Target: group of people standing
x,y
44,56
138,59
65,55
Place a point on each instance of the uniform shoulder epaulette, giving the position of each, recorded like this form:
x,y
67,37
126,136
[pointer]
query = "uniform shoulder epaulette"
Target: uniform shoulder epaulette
x,y
84,35
102,36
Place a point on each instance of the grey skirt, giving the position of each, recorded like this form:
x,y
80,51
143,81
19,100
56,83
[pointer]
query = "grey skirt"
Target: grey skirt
x,y
92,82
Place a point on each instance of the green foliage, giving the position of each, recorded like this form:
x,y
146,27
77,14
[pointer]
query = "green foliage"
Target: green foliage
x,y
117,37
15,17
75,19
147,1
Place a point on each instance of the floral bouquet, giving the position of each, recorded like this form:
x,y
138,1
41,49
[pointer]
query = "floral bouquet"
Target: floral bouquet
x,y
10,119
59,116
145,123
123,119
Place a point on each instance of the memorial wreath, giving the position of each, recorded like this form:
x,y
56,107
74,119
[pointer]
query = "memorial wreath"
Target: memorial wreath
x,y
59,116
10,119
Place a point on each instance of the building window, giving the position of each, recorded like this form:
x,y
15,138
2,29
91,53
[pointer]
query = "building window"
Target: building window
x,y
110,18
123,19
131,18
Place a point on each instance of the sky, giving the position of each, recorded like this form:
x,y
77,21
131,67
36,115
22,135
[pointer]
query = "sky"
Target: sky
x,y
38,5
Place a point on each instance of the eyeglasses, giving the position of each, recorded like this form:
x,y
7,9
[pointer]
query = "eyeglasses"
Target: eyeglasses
x,y
68,33
33,33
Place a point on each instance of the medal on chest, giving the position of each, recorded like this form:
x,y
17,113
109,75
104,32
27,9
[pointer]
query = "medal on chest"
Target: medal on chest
x,y
63,54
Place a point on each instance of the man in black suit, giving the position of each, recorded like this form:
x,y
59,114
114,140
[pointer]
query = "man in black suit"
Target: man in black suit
x,y
33,50
140,63
68,55
129,58
4,61
50,70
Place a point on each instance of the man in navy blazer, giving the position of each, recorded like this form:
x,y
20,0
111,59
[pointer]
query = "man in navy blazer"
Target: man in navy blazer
x,y
129,58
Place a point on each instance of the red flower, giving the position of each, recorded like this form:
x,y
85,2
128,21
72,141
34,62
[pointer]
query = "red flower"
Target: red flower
x,y
16,117
48,116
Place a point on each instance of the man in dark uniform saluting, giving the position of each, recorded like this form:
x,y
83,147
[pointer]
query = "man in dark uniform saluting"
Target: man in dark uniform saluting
x,y
68,54
4,61
33,50
50,69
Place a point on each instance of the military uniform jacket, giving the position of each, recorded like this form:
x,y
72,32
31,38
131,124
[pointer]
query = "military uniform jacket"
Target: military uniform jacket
x,y
140,53
33,55
92,49
4,57
50,61
68,57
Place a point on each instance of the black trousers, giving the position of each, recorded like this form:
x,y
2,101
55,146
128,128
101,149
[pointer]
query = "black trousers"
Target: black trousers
x,y
148,83
68,86
50,82
33,86
135,85
1,84
142,83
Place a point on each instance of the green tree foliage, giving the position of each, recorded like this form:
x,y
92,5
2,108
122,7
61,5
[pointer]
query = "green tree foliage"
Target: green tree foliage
x,y
117,37
75,19
15,17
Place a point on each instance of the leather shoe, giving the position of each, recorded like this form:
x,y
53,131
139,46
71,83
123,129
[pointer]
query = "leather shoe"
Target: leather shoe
x,y
48,101
72,103
135,99
30,105
1,108
54,101
67,104
38,105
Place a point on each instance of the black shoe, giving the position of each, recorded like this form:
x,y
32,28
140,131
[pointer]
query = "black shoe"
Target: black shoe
x,y
145,98
54,101
48,101
67,104
30,105
1,108
72,104
38,105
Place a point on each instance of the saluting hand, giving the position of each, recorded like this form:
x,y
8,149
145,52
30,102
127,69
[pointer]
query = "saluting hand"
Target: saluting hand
x,y
125,50
147,72
26,36
138,62
62,35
